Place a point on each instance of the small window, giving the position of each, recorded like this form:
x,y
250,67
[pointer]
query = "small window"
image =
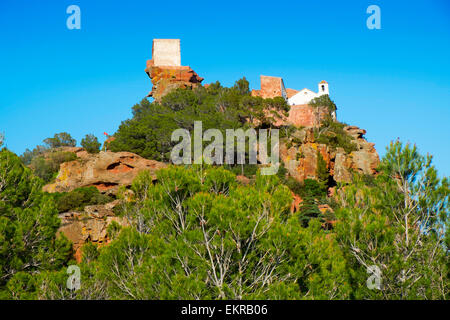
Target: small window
x,y
323,87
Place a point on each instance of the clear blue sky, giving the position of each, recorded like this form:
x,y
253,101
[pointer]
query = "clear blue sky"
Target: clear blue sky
x,y
393,82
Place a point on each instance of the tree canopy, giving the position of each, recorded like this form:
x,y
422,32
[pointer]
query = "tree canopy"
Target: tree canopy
x,y
148,133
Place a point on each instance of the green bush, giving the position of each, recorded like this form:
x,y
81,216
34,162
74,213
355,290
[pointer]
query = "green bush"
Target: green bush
x,y
91,144
332,133
62,139
248,170
307,188
29,155
323,101
28,227
308,210
46,166
79,198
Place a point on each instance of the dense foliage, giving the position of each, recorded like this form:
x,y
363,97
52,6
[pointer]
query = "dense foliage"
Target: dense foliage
x,y
148,133
46,166
200,234
79,198
44,160
332,134
323,101
398,223
62,139
28,224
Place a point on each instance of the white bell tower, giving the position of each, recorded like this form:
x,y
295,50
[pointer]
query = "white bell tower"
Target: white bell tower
x,y
323,88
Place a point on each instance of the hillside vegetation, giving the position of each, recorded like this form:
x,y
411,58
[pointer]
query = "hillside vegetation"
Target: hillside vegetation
x,y
202,232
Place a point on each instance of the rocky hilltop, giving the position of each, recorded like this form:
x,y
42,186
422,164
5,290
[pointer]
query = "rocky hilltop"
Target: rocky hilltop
x,y
315,139
107,171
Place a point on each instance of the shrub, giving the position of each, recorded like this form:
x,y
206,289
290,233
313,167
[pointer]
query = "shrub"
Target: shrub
x,y
323,101
309,188
322,171
332,133
79,198
62,139
308,210
248,170
91,144
28,154
46,166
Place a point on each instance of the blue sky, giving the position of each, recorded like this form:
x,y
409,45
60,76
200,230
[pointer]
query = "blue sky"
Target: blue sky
x,y
393,82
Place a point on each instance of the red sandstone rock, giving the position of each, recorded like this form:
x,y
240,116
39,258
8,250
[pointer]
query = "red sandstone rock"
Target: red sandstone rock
x,y
167,78
296,201
105,170
243,180
89,226
301,158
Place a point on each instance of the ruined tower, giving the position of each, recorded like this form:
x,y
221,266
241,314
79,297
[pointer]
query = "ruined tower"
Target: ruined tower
x,y
166,52
165,69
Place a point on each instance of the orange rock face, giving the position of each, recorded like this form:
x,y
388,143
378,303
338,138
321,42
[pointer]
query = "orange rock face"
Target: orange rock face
x,y
105,170
301,160
167,78
89,226
296,202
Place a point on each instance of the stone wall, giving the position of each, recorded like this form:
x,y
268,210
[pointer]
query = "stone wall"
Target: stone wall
x,y
306,115
271,87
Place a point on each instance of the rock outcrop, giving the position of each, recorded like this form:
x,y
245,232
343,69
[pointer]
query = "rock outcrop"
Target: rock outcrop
x,y
167,78
105,170
300,158
89,225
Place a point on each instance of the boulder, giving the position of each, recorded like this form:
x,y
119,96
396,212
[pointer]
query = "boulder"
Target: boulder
x,y
105,170
342,164
89,225
167,78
